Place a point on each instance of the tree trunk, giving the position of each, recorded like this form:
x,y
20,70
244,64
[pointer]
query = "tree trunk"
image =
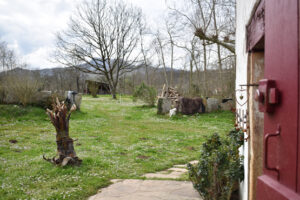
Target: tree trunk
x,y
191,79
220,80
77,83
204,70
60,117
114,92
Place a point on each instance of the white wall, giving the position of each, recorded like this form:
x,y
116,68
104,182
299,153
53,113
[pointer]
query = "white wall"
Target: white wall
x,y
243,15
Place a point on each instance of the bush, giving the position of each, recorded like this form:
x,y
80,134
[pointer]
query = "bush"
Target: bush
x,y
220,167
93,88
145,93
2,94
22,87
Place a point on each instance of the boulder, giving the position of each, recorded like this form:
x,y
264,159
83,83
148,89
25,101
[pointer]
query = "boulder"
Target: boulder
x,y
164,105
73,98
45,98
228,105
212,104
189,106
78,99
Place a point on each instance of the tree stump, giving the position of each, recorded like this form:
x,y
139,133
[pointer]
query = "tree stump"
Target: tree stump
x,y
60,116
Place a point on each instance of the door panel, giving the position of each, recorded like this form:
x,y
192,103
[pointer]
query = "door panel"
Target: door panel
x,y
281,65
273,190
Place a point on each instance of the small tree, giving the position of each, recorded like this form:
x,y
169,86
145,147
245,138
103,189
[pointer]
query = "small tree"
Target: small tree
x,y
60,117
145,93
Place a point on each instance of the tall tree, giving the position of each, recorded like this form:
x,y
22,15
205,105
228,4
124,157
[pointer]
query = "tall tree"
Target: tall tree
x,y
213,23
102,38
160,44
8,59
227,10
170,32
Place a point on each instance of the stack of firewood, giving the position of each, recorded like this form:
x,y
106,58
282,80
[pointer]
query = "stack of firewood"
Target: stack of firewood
x,y
170,93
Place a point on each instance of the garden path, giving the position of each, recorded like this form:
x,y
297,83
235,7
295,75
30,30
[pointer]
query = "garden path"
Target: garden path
x,y
136,189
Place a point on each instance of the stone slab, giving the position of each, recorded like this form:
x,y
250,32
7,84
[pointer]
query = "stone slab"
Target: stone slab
x,y
171,173
148,190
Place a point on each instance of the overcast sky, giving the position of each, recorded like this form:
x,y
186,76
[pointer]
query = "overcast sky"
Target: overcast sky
x,y
29,27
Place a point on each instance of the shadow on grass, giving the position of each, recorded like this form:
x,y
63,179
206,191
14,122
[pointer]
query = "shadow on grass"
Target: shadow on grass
x,y
180,117
143,107
22,113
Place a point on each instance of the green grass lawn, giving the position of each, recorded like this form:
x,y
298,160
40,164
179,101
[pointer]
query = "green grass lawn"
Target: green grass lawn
x,y
116,139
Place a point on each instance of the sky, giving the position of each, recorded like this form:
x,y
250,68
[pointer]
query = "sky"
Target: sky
x,y
29,27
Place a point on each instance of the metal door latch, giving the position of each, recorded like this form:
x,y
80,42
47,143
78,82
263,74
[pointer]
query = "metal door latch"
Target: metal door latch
x,y
267,95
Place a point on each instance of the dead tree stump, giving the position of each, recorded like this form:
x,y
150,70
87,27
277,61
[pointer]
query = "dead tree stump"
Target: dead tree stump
x,y
60,116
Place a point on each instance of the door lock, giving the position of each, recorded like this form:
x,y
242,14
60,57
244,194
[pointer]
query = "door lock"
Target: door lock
x,y
267,95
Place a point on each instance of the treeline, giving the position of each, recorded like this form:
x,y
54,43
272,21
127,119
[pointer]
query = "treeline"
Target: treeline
x,y
192,50
64,79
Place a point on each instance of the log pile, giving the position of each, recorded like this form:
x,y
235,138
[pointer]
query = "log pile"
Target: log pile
x,y
60,116
170,93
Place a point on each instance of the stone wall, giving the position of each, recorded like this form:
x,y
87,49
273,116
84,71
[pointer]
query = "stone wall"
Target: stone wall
x,y
42,99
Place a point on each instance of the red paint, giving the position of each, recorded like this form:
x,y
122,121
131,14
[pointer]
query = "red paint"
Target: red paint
x,y
267,95
273,190
266,152
281,175
256,28
273,96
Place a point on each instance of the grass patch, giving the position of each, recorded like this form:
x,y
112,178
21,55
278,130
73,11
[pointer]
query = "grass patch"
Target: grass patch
x,y
116,139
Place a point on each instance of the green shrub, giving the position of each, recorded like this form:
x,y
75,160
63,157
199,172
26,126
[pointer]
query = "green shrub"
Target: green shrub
x,y
145,93
93,88
220,167
2,94
22,87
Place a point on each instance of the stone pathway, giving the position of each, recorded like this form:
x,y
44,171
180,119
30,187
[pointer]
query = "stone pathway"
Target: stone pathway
x,y
131,189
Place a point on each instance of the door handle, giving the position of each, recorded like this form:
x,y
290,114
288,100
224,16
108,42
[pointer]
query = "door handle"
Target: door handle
x,y
267,136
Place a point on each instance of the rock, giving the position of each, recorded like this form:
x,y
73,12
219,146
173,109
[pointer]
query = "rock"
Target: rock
x,y
78,99
73,98
212,105
228,105
164,105
130,189
189,106
45,98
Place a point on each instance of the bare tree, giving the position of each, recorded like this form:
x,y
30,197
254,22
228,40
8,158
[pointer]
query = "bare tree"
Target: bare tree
x,y
8,59
22,86
160,44
223,28
102,38
145,52
213,23
170,31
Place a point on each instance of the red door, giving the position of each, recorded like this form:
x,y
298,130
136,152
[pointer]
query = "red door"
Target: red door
x,y
280,102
